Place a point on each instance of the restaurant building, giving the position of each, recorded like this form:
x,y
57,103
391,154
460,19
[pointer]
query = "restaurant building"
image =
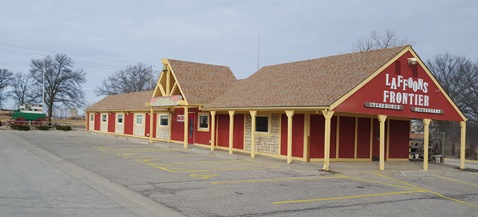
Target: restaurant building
x,y
349,107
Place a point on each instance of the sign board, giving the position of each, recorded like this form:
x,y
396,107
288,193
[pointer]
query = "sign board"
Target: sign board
x,y
180,118
401,90
166,100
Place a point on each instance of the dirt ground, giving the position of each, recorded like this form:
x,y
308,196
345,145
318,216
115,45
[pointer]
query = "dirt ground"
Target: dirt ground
x,y
75,123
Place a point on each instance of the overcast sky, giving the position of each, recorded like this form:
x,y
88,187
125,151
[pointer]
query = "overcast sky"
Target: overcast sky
x,y
103,36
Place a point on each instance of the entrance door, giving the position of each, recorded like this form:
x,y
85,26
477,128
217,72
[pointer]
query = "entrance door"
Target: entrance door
x,y
191,128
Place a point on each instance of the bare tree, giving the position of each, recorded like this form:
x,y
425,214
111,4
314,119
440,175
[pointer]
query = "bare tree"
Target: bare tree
x,y
375,41
62,82
458,76
134,78
5,79
20,92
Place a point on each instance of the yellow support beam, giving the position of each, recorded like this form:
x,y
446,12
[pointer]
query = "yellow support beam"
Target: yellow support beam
x,y
213,129
462,144
426,141
186,126
253,133
231,130
382,119
289,114
328,118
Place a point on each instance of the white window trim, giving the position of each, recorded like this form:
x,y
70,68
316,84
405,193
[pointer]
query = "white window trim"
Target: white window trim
x,y
159,119
118,114
92,117
269,125
202,114
136,119
106,120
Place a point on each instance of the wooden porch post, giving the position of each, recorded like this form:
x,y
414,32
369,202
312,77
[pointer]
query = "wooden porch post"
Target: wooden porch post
x,y
382,119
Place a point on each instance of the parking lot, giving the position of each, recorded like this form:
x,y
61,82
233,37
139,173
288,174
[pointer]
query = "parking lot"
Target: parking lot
x,y
197,182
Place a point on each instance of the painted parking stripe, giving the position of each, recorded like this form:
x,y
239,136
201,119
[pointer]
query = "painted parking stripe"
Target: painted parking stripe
x,y
455,180
348,197
279,179
428,191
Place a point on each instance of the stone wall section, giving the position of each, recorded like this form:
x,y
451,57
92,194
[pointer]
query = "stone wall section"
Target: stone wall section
x,y
162,132
138,129
265,143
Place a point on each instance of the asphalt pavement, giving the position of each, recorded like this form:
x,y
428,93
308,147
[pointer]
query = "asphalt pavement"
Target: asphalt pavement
x,y
171,181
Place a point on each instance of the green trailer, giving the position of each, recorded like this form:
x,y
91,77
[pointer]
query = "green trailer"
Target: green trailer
x,y
28,116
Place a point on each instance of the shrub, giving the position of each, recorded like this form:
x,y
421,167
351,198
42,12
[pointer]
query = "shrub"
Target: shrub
x,y
43,127
20,127
64,127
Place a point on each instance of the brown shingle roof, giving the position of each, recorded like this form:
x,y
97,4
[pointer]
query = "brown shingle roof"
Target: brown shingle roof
x,y
315,82
123,102
201,83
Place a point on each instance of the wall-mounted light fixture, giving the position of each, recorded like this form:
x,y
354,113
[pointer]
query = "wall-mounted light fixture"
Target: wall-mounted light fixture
x,y
412,61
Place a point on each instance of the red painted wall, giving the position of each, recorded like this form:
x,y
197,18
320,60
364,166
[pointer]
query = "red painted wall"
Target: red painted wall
x,y
147,124
399,139
333,138
347,137
177,128
97,121
202,137
377,90
297,135
376,139
223,130
111,122
317,136
128,123
238,131
155,123
363,138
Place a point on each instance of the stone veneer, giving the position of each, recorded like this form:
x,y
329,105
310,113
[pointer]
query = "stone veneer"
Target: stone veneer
x,y
138,129
162,132
265,143
104,125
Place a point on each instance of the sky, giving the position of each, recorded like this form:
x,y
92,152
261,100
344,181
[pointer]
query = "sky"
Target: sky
x,y
103,36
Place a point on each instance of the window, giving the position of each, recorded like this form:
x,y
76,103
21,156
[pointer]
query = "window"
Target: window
x,y
119,118
104,118
139,119
203,121
262,124
163,120
92,117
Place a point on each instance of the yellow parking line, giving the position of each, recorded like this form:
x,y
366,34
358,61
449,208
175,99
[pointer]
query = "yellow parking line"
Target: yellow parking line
x,y
160,167
221,169
429,191
348,197
379,182
455,180
279,179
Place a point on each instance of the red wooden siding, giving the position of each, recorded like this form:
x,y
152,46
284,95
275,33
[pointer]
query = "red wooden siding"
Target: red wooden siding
x,y
155,123
376,139
111,122
223,130
347,137
399,139
238,131
379,89
317,136
97,121
297,135
363,138
177,128
333,137
128,123
147,125
202,137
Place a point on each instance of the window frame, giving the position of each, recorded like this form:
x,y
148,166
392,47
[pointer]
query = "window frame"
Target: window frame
x,y
105,116
92,117
269,125
117,118
160,118
203,114
136,119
